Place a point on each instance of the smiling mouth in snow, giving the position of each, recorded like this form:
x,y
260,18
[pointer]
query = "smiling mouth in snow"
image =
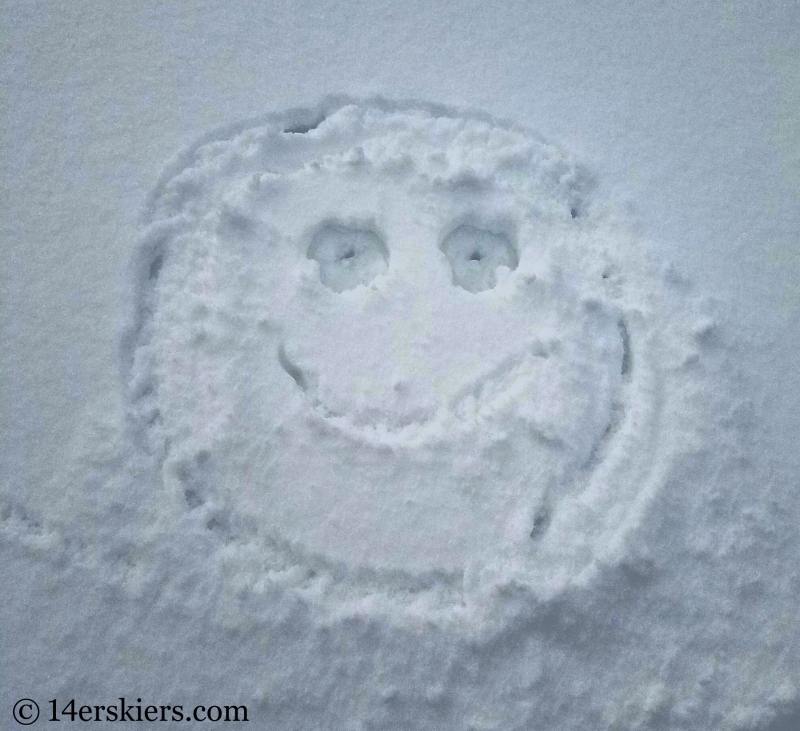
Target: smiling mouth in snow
x,y
496,391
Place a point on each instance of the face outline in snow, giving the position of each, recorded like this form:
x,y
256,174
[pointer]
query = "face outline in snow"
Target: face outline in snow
x,y
420,368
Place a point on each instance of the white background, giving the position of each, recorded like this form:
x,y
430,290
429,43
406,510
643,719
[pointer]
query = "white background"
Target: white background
x,y
689,112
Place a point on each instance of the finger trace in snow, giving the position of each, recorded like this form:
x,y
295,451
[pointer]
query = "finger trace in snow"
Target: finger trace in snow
x,y
402,346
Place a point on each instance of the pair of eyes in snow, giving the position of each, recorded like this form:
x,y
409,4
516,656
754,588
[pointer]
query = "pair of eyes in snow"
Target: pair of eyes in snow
x,y
350,256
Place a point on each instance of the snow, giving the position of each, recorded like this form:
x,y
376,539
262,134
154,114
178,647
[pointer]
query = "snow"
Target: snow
x,y
392,415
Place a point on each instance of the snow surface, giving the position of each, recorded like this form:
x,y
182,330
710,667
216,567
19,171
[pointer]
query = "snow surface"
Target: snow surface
x,y
411,424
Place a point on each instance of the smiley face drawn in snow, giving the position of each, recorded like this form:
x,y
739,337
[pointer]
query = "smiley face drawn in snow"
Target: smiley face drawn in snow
x,y
395,340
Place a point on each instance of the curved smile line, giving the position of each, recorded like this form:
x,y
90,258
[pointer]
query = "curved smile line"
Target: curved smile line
x,y
492,392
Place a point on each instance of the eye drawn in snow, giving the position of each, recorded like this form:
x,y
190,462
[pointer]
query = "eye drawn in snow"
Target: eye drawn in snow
x,y
347,256
474,254
393,334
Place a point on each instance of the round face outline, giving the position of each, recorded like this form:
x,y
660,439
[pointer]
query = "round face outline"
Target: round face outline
x,y
499,387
